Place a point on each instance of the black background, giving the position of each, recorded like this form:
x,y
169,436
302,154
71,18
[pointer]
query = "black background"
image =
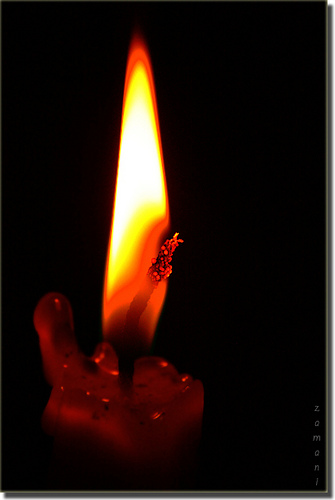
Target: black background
x,y
241,101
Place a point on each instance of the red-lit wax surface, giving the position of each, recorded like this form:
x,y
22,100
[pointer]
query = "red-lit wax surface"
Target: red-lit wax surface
x,y
107,438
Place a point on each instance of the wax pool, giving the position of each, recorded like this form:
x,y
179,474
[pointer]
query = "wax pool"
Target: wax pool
x,y
107,437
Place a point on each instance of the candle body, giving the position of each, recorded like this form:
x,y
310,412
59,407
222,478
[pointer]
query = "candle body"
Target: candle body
x,y
109,438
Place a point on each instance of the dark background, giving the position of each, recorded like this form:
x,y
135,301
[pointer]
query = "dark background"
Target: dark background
x,y
241,100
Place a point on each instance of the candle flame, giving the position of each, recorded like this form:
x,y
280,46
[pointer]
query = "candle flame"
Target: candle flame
x,y
141,212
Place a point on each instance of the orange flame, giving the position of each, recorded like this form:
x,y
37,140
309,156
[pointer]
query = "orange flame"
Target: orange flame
x,y
141,211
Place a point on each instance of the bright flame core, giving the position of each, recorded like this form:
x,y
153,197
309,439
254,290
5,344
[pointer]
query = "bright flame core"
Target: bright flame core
x,y
141,212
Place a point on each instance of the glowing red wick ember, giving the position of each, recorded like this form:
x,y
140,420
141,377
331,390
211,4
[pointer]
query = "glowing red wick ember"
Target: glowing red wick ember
x,y
161,267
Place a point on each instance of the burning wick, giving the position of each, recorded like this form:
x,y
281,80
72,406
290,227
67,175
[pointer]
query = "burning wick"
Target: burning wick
x,y
158,271
161,267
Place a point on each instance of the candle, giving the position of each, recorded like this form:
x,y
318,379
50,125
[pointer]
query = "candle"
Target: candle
x,y
122,419
104,437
